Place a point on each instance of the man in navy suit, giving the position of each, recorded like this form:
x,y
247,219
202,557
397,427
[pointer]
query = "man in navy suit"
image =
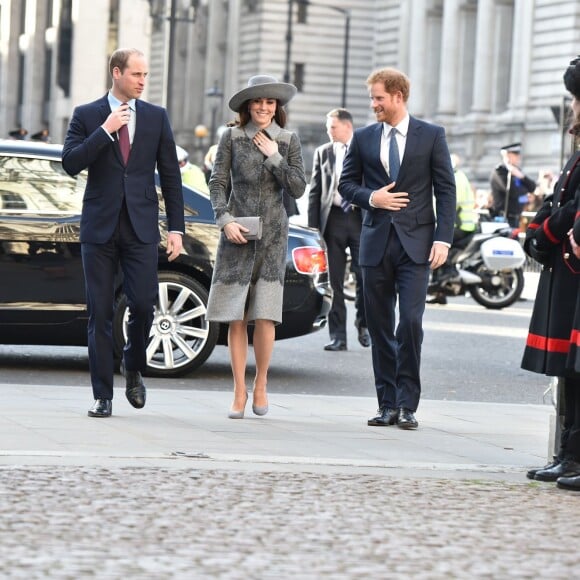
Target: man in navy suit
x,y
120,140
393,168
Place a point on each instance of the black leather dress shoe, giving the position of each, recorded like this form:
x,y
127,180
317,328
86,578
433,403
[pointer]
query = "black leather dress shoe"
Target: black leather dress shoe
x,y
335,345
135,389
407,419
438,298
363,336
384,417
567,468
571,483
532,472
101,408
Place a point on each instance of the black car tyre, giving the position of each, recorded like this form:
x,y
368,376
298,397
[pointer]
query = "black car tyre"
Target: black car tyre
x,y
181,338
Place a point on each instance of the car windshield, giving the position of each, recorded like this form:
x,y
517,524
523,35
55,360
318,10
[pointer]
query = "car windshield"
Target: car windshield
x,y
40,185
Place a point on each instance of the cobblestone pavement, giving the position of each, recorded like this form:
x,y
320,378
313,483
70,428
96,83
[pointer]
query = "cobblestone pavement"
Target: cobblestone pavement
x,y
120,522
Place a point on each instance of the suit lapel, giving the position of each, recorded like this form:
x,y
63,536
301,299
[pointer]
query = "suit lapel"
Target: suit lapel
x,y
375,147
332,166
413,142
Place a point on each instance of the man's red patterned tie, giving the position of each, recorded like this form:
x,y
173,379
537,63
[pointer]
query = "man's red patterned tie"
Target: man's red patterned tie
x,y
124,143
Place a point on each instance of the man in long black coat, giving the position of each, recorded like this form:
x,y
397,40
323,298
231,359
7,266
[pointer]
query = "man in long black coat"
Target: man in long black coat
x,y
553,343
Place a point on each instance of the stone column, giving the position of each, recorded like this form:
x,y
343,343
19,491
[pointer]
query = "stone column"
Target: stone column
x,y
450,50
417,49
522,56
484,50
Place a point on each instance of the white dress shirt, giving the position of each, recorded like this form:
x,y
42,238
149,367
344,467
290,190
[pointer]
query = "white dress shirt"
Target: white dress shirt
x,y
402,130
340,150
115,103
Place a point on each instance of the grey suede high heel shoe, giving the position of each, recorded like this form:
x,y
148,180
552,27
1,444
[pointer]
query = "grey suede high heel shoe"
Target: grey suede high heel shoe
x,y
259,410
238,414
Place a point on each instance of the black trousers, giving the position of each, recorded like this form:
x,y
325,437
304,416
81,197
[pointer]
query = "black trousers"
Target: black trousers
x,y
101,262
570,440
342,231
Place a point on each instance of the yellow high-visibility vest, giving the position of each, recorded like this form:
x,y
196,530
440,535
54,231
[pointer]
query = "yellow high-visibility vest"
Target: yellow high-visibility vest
x,y
467,216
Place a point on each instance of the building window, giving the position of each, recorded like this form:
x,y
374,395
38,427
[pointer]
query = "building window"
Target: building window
x,y
22,17
65,39
299,76
302,15
49,9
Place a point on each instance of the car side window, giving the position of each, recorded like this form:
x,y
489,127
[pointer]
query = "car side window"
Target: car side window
x,y
29,184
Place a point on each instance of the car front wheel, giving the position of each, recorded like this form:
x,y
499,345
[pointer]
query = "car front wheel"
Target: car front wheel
x,y
181,338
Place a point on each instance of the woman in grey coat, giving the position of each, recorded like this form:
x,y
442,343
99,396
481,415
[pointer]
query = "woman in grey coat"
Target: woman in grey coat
x,y
256,162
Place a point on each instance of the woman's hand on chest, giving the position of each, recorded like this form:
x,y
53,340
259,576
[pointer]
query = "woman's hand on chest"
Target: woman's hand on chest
x,y
265,144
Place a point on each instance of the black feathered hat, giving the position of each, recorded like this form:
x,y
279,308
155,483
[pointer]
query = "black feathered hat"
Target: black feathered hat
x,y
572,77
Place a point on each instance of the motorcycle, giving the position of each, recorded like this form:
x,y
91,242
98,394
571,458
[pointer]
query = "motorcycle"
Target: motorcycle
x,y
488,265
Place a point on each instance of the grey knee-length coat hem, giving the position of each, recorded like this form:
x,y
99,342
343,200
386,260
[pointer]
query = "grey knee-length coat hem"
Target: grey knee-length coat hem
x,y
248,279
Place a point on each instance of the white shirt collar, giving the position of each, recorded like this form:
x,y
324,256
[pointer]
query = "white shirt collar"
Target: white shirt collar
x,y
115,103
402,127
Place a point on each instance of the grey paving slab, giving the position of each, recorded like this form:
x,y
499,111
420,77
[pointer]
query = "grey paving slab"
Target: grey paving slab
x,y
300,429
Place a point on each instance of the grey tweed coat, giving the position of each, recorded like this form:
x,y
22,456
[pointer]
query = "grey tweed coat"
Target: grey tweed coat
x,y
249,278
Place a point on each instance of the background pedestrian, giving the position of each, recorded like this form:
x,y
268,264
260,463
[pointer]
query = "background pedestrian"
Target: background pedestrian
x,y
509,186
340,224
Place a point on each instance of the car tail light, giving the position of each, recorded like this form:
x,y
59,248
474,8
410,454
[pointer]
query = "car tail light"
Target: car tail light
x,y
309,260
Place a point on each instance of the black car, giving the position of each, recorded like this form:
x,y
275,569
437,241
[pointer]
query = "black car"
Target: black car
x,y
42,294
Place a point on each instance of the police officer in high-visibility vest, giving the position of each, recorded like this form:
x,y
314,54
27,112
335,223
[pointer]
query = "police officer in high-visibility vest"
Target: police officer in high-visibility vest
x,y
466,220
467,217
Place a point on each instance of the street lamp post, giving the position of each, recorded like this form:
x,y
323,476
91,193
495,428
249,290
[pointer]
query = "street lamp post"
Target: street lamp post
x,y
215,93
288,42
157,11
170,57
347,15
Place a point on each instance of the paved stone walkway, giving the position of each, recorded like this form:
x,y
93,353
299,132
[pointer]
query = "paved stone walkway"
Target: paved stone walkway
x,y
160,523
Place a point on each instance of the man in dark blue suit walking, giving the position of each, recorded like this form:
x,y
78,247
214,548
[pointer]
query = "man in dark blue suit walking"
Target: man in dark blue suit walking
x,y
392,170
120,140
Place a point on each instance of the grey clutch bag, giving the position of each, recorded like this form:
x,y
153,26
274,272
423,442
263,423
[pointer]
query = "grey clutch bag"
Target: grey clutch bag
x,y
252,223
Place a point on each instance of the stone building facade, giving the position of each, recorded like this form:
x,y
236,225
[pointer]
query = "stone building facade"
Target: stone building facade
x,y
488,70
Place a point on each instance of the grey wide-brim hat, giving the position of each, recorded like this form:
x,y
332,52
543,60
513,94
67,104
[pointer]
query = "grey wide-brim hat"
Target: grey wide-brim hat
x,y
263,87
